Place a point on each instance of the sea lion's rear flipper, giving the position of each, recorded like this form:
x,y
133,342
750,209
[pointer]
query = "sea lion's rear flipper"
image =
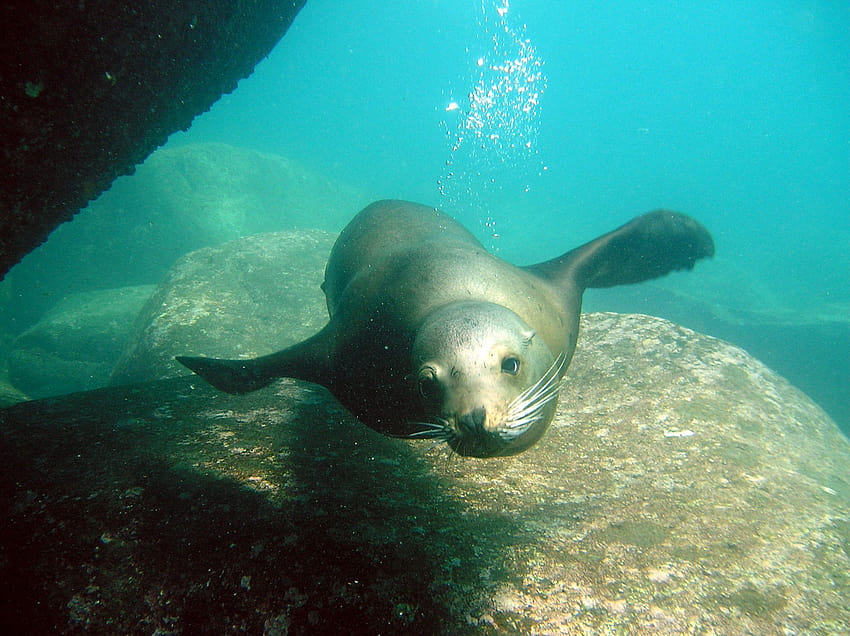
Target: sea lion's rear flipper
x,y
646,247
306,360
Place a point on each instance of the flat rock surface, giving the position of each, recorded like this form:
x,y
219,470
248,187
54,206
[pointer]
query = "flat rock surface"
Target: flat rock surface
x,y
682,489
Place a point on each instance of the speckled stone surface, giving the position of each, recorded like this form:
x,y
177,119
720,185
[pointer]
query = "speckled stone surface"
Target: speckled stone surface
x,y
683,489
245,298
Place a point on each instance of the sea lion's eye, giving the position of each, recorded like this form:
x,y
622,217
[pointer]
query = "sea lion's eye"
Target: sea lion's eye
x,y
510,365
428,385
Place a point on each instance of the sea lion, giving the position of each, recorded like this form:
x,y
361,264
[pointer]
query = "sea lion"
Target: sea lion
x,y
431,336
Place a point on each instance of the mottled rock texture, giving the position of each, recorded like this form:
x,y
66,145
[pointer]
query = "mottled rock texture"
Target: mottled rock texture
x,y
683,488
807,345
245,298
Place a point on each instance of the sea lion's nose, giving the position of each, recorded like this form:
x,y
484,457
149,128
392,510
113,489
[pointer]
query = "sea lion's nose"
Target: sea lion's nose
x,y
473,421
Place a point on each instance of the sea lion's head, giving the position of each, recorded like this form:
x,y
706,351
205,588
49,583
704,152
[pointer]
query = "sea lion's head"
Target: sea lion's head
x,y
487,383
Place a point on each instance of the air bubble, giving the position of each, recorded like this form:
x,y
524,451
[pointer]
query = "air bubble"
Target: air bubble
x,y
492,146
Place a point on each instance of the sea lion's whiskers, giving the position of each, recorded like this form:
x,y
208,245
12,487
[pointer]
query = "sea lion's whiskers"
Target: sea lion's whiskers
x,y
536,401
438,423
538,391
426,434
439,429
527,407
434,429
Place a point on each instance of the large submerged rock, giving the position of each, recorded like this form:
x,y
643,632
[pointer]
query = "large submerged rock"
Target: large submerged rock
x,y
181,199
246,298
75,346
683,488
807,344
10,395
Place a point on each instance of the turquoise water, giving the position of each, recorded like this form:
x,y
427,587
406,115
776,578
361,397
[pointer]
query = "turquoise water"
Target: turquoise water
x,y
736,113
540,125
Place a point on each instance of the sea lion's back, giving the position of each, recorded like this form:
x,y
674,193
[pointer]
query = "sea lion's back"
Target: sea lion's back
x,y
381,230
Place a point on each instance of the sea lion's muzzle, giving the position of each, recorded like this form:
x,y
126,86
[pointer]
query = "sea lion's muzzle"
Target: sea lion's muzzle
x,y
473,423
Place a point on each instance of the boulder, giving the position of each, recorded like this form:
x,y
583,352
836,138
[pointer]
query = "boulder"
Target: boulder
x,y
807,345
683,488
77,343
181,199
245,298
9,395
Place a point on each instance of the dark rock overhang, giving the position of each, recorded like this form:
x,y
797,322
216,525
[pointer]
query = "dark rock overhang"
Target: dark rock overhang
x,y
90,88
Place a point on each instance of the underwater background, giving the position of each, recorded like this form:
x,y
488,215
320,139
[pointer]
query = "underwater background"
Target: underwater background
x,y
736,113
683,487
541,125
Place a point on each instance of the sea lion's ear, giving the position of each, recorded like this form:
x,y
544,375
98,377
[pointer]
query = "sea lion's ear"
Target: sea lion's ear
x,y
646,247
528,335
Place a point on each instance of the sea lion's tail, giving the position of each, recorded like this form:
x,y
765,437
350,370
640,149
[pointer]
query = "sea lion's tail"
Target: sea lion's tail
x,y
646,247
231,376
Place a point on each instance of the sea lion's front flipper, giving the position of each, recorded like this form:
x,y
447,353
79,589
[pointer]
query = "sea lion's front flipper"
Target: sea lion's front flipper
x,y
307,360
646,247
231,376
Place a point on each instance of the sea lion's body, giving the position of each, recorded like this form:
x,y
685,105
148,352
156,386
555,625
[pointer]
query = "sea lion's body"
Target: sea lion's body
x,y
430,334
